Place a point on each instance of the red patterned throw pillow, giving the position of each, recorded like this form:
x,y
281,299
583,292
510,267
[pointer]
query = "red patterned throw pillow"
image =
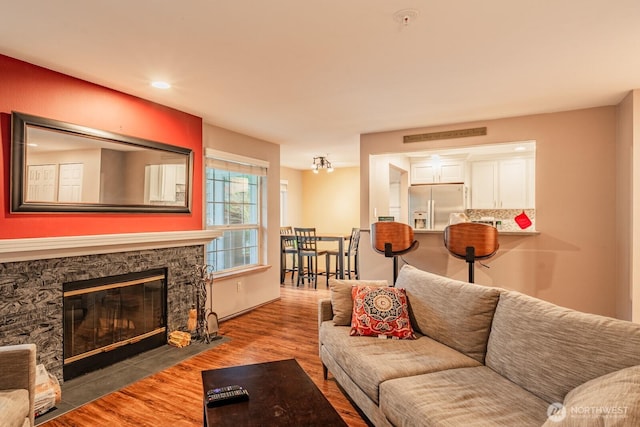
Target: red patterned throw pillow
x,y
380,311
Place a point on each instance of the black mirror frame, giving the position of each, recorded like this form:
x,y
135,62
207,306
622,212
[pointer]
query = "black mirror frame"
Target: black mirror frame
x,y
19,123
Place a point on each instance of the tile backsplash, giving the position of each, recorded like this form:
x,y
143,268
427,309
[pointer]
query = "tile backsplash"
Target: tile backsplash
x,y
505,216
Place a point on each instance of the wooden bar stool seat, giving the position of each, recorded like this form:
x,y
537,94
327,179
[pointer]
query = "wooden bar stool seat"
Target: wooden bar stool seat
x,y
471,241
393,239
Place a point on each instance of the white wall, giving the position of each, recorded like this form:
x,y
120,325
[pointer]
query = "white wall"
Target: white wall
x,y
294,196
331,201
240,293
379,184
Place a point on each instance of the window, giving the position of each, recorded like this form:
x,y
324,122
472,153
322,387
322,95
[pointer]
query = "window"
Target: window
x,y
233,188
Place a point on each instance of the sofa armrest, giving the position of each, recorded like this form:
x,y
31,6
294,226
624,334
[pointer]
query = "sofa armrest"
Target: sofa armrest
x,y
325,311
18,371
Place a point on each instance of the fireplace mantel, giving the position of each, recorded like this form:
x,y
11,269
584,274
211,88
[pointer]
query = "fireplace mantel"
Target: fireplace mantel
x,y
13,250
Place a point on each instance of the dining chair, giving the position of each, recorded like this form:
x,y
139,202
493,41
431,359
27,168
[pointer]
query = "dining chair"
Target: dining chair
x,y
471,241
308,255
353,254
288,247
350,255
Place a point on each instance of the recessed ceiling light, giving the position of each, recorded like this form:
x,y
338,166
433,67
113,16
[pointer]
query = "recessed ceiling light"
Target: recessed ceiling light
x,y
160,85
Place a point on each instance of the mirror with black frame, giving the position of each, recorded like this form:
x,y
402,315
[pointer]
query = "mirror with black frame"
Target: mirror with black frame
x,y
63,167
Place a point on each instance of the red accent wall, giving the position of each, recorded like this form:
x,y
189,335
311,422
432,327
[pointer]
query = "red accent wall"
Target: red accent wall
x,y
35,90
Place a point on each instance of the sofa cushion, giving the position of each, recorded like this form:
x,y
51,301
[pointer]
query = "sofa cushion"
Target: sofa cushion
x,y
550,350
610,400
455,313
380,312
342,301
14,407
368,361
460,397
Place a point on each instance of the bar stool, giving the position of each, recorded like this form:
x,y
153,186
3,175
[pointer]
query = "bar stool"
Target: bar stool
x,y
287,247
308,254
393,239
350,254
471,241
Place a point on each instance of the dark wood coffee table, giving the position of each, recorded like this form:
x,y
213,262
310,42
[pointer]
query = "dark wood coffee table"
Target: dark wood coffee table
x,y
280,394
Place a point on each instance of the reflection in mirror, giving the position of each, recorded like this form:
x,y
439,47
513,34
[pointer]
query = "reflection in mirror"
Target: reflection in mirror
x,y
63,167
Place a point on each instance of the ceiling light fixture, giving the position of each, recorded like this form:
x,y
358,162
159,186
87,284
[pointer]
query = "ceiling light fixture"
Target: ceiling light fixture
x,y
321,162
160,85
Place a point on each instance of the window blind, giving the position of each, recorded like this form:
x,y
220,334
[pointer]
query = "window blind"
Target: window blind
x,y
235,163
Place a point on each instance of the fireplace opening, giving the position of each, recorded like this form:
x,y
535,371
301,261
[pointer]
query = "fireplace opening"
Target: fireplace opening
x,y
109,319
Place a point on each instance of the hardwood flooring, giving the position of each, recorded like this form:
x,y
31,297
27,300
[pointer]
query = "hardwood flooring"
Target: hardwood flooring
x,y
283,329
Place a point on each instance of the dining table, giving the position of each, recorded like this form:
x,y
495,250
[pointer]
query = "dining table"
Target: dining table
x,y
327,237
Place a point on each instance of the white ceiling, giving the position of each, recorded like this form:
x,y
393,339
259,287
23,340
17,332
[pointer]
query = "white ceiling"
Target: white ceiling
x,y
311,75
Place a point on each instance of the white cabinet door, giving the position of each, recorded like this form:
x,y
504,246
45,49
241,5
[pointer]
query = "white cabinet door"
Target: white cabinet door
x,y
423,173
434,172
154,183
484,180
512,184
161,183
169,183
502,184
452,171
531,183
181,174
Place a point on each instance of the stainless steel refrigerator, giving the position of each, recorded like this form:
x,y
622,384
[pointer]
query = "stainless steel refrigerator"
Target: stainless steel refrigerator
x,y
431,204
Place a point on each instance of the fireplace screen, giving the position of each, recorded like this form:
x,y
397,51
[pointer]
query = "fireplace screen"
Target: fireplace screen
x,y
115,313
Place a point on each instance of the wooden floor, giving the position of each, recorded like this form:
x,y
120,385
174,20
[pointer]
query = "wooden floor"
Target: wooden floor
x,y
280,330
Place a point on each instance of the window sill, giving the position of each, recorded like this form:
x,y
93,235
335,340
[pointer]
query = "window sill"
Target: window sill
x,y
240,272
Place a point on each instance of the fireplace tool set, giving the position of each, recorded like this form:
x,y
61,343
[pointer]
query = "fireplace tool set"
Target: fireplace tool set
x,y
203,324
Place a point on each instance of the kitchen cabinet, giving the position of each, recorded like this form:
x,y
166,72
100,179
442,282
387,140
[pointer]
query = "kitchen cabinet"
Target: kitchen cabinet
x,y
165,182
437,172
484,183
502,184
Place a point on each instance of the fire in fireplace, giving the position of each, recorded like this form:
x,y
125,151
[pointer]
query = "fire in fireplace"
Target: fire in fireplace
x,y
109,319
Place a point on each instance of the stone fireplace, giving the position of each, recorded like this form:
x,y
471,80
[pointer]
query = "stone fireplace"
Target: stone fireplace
x,y
33,274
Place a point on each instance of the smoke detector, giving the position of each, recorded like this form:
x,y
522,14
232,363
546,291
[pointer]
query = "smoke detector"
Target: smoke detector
x,y
405,16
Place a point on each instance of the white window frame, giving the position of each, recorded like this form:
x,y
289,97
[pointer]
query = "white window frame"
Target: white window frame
x,y
237,163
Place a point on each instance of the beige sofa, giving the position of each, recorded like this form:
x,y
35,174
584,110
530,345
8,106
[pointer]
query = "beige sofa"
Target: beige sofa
x,y
17,385
485,357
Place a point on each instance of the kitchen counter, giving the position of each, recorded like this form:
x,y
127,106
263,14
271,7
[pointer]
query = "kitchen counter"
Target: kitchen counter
x,y
500,232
